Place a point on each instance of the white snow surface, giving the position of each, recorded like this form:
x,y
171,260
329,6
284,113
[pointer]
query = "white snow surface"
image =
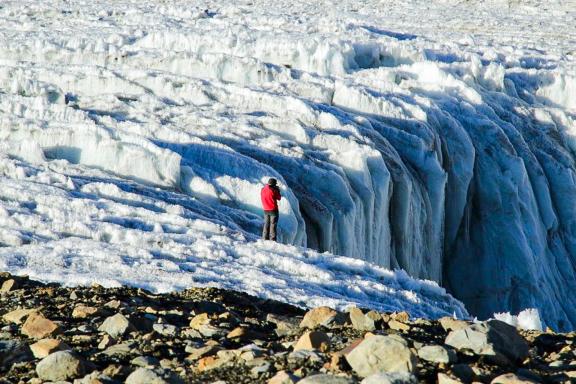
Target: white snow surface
x,y
527,319
436,137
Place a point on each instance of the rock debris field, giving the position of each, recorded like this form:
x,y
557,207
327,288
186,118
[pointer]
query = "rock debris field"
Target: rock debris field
x,y
90,335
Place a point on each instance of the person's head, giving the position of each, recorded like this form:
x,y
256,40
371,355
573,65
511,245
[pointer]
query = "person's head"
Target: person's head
x,y
272,181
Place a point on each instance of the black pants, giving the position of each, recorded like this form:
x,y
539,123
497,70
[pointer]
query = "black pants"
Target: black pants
x,y
270,224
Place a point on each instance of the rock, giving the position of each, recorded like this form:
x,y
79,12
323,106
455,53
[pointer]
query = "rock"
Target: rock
x,y
165,329
284,325
402,317
199,320
443,378
208,330
116,325
9,285
495,339
464,372
13,351
82,311
451,324
201,323
382,354
238,333
93,378
44,347
197,353
250,352
18,315
321,316
437,354
38,327
260,367
105,342
212,362
145,361
298,357
145,376
325,379
360,321
283,377
510,378
190,333
313,340
391,378
113,304
122,349
61,365
398,326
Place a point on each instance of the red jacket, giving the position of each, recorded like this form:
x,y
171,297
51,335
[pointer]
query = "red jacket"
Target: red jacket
x,y
270,197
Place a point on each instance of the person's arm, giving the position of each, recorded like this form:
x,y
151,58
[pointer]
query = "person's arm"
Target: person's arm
x,y
277,194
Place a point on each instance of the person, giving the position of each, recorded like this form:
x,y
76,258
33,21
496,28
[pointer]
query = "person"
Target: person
x,y
270,196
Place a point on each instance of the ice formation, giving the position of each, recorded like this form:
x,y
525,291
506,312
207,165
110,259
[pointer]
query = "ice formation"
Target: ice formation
x,y
411,136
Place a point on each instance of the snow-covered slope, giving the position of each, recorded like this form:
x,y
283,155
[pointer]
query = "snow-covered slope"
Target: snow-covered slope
x,y
436,137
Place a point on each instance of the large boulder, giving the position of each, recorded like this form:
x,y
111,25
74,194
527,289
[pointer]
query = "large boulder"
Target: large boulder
x,y
60,366
494,339
39,327
382,354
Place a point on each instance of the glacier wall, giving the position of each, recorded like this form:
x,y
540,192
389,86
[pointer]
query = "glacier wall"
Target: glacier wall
x,y
445,154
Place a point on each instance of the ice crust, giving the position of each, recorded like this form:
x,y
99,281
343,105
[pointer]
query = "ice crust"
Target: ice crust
x,y
135,138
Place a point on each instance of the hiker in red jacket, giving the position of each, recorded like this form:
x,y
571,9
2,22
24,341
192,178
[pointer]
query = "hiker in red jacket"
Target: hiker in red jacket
x,y
270,196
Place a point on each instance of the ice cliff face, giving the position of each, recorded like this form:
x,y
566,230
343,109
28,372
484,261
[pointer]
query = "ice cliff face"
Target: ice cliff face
x,y
444,149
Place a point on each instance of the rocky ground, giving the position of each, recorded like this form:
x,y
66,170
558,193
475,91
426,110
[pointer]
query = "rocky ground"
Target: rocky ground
x,y
91,335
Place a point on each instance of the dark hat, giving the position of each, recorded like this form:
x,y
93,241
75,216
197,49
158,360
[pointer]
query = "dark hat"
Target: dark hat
x,y
272,181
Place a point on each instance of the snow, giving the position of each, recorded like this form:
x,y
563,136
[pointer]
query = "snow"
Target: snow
x,y
433,137
528,319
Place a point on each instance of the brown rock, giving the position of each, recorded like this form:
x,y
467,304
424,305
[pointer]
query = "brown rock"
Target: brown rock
x,y
82,311
197,353
398,326
238,333
360,321
283,377
105,342
38,327
451,324
9,285
44,347
375,316
18,315
115,370
207,363
313,340
199,320
403,316
318,316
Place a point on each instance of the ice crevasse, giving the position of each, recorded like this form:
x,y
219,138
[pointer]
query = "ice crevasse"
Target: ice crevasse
x,y
456,165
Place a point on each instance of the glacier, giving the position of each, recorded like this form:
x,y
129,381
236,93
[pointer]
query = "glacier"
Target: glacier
x,y
436,138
